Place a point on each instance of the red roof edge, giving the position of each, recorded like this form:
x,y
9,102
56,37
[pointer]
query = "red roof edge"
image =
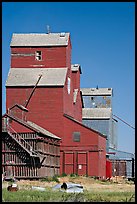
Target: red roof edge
x,y
76,121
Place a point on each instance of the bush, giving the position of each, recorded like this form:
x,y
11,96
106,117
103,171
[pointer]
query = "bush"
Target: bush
x,y
49,179
73,175
55,178
63,174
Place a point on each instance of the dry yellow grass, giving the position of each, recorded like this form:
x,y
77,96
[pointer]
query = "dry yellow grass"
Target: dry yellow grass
x,y
116,185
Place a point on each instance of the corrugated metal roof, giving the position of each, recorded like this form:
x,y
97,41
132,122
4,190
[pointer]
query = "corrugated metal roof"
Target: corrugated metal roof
x,y
96,113
29,76
96,91
76,67
39,39
42,130
120,154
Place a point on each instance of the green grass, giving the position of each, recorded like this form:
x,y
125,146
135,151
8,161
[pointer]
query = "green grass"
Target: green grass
x,y
57,196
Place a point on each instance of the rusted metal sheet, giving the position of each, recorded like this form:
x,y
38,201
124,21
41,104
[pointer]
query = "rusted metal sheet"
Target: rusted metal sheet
x,y
119,168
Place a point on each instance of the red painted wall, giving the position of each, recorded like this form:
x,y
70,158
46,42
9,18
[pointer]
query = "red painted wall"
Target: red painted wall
x,y
108,169
68,98
78,108
18,128
90,142
45,106
76,79
52,57
102,156
78,105
87,137
71,108
68,55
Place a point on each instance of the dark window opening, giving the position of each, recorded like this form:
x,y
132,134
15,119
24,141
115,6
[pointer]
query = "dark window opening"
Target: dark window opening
x,y
38,55
76,136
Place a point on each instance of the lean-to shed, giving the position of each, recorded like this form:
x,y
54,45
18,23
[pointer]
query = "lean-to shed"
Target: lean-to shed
x,y
28,150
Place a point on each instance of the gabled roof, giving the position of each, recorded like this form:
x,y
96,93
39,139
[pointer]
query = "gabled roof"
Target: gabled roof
x,y
39,39
32,126
29,76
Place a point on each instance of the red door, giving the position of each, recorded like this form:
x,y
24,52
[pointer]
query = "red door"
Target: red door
x,y
75,163
82,163
68,162
108,169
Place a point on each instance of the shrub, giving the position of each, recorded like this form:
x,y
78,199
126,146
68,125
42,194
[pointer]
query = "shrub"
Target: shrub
x,y
55,178
73,175
49,179
63,174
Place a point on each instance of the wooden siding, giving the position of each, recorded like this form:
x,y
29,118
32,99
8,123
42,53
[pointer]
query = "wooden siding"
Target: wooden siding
x,y
119,168
18,163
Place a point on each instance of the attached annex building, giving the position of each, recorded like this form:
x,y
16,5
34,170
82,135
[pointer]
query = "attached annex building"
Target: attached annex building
x,y
44,112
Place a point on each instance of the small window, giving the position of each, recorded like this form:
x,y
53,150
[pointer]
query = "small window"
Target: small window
x,y
76,136
68,85
38,55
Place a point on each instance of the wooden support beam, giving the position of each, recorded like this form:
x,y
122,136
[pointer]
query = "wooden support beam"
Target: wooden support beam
x,y
27,101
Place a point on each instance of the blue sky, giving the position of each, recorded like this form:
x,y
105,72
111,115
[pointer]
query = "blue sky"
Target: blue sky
x,y
103,43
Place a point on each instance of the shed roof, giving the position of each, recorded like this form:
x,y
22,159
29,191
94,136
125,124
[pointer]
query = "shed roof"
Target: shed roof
x,y
29,76
42,130
96,113
96,91
39,39
32,126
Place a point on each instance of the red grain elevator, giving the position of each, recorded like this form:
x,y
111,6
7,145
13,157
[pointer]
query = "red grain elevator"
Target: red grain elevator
x,y
43,80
